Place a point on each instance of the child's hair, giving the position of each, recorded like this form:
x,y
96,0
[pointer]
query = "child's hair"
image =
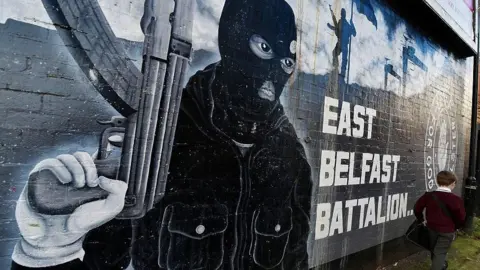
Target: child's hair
x,y
446,178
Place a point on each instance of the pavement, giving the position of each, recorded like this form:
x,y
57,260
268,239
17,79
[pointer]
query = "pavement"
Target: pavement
x,y
416,261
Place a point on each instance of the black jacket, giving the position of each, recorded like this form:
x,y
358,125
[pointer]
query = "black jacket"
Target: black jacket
x,y
224,208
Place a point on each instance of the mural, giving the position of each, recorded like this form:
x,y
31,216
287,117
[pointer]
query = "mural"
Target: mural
x,y
218,134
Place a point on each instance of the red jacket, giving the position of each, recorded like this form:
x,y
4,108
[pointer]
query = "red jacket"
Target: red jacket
x,y
436,219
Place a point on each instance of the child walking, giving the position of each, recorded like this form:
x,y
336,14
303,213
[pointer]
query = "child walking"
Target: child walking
x,y
445,213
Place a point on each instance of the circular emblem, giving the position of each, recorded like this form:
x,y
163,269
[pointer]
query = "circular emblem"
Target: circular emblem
x,y
293,46
440,141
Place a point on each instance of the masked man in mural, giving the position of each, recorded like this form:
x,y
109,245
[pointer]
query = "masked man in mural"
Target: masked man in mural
x,y
239,189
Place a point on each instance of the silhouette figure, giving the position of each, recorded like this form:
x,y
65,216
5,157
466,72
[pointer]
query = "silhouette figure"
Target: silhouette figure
x,y
344,31
389,70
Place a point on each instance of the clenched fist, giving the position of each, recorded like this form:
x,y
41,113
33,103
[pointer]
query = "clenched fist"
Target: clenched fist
x,y
50,239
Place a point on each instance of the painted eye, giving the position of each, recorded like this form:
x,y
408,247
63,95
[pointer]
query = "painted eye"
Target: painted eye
x,y
288,65
265,47
261,48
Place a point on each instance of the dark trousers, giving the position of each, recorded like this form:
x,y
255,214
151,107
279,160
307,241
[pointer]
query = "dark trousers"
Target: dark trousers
x,y
441,243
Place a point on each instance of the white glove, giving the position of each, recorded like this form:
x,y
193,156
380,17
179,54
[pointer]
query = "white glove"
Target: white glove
x,y
49,240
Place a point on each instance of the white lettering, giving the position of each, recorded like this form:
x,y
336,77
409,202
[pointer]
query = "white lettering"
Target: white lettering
x,y
328,115
358,121
350,204
362,202
375,174
330,217
323,220
345,122
337,219
380,218
327,168
386,168
388,206
395,160
371,113
403,205
365,167
341,168
336,124
352,180
394,207
370,218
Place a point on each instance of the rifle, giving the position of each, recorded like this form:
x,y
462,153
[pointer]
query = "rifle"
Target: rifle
x,y
137,146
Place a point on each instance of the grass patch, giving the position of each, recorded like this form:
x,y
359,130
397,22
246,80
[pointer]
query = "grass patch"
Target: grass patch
x,y
464,253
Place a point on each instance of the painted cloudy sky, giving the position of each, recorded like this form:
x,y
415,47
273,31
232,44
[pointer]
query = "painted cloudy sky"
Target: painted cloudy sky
x,y
370,49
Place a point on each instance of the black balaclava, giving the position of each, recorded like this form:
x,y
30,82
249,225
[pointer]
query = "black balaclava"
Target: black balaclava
x,y
257,43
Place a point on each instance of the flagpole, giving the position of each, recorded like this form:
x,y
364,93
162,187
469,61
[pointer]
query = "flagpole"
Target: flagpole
x,y
349,46
470,184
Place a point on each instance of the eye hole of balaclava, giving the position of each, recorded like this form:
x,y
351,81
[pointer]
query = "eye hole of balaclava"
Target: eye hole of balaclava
x,y
263,50
273,70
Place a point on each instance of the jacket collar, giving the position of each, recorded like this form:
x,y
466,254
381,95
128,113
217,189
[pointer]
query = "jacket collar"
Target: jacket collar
x,y
444,189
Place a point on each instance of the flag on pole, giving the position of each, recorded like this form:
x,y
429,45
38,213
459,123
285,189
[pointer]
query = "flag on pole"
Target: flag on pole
x,y
365,7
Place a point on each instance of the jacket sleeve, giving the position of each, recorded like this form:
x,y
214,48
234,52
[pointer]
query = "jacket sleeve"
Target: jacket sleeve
x,y
108,246
296,254
419,206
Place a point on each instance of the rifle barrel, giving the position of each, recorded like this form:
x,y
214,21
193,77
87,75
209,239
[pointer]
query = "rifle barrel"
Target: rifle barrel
x,y
149,140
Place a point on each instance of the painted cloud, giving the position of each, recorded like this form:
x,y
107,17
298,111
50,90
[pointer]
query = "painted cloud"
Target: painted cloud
x,y
371,48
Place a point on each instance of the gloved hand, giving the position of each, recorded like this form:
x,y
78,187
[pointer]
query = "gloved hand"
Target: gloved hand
x,y
48,240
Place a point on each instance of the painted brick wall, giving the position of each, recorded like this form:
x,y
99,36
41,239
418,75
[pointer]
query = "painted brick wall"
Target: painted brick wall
x,y
46,105
421,95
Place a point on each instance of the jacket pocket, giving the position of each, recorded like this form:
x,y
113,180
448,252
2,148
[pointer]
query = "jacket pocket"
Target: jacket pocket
x,y
271,232
192,237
